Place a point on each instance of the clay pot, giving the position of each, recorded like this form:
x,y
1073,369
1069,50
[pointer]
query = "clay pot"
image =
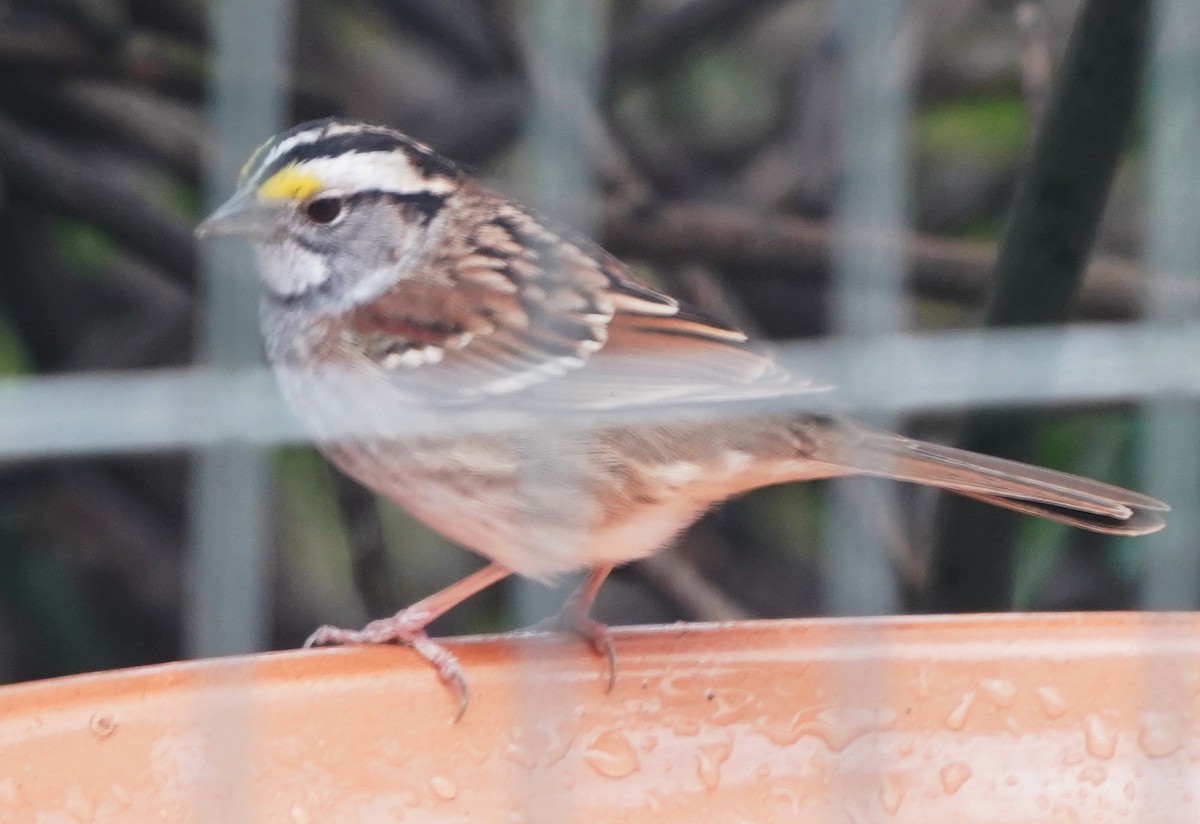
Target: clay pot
x,y
1015,718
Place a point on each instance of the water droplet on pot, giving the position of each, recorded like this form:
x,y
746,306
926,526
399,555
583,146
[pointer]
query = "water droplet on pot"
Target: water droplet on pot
x,y
611,755
957,718
1099,738
953,776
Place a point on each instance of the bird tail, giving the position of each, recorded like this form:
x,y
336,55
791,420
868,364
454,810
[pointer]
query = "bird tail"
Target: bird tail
x,y
1059,496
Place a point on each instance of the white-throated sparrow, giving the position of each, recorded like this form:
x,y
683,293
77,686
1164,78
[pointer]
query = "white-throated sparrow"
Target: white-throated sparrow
x,y
394,279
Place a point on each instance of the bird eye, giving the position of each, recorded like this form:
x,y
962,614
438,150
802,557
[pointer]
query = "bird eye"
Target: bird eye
x,y
324,210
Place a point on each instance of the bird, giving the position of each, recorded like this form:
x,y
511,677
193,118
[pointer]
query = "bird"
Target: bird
x,y
394,281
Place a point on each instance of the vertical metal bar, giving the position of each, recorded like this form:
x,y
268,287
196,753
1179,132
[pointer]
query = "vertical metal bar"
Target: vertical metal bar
x,y
231,493
867,300
563,40
228,586
868,297
1172,430
1172,438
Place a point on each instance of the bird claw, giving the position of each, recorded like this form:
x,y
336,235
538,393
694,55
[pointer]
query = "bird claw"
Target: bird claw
x,y
446,666
408,630
594,633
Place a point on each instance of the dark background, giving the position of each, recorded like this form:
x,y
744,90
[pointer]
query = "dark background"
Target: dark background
x,y
713,115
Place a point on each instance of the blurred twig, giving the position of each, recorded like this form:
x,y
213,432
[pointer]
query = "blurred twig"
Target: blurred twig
x,y
49,174
462,28
112,533
679,580
141,122
144,58
178,18
37,290
650,39
45,49
158,332
101,20
940,268
372,566
801,170
144,123
1036,81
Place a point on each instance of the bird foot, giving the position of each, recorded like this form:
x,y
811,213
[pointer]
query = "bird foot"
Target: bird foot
x,y
405,627
594,633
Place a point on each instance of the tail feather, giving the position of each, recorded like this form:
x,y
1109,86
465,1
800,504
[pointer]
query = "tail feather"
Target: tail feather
x,y
1139,522
1059,496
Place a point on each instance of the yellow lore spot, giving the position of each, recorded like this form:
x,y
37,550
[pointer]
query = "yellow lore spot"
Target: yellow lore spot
x,y
289,183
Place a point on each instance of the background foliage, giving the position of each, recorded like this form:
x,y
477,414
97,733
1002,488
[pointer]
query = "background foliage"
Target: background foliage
x,y
717,162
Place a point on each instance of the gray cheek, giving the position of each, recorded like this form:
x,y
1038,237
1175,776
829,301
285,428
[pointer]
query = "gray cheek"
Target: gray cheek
x,y
375,239
373,253
340,266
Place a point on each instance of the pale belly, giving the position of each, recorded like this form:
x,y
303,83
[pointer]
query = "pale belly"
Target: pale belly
x,y
535,525
552,502
593,505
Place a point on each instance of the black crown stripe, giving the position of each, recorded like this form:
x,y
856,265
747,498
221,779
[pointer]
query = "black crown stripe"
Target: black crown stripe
x,y
427,162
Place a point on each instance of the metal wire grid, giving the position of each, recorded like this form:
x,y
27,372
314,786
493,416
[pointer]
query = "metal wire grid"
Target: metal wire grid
x,y
227,410
227,404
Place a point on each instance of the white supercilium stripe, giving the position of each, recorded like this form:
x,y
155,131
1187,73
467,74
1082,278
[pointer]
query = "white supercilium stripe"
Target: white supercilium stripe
x,y
365,171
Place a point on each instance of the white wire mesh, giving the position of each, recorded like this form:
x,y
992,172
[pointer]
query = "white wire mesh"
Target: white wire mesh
x,y
232,410
899,374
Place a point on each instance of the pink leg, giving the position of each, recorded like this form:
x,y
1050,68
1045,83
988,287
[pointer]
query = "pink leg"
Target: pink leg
x,y
408,627
574,618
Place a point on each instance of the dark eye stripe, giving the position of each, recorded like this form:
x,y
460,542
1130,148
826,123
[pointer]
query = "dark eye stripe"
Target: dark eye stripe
x,y
427,204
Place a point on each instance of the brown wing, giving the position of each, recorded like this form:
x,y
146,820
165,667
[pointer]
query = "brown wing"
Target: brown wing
x,y
519,306
682,356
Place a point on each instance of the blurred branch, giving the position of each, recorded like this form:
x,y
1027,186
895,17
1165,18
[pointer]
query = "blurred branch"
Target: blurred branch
x,y
651,39
158,334
372,567
490,118
146,124
52,49
113,533
36,289
1036,82
675,576
801,170
99,586
463,28
1057,208
572,110
178,18
66,322
340,75
939,268
61,180
102,20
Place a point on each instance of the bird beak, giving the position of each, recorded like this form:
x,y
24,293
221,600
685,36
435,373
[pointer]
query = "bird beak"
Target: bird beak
x,y
243,214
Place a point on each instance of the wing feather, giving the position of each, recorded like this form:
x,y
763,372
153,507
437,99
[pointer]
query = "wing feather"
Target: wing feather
x,y
520,305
